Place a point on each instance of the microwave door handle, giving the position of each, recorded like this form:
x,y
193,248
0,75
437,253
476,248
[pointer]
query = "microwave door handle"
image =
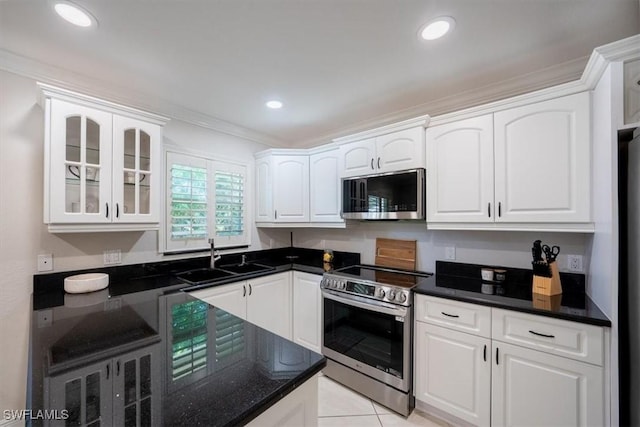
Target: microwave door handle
x,y
372,306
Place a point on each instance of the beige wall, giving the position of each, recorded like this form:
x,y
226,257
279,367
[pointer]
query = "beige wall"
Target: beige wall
x,y
23,235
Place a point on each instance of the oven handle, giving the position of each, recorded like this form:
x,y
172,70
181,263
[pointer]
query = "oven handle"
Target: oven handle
x,y
373,306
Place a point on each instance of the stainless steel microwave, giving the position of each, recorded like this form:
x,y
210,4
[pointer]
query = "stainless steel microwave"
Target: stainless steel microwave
x,y
385,196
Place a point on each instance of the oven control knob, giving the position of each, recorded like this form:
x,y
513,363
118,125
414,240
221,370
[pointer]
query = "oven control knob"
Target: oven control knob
x,y
342,285
401,297
323,282
392,295
380,293
333,283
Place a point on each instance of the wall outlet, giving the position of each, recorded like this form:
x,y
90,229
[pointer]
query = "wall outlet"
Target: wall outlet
x,y
450,253
574,263
112,257
45,262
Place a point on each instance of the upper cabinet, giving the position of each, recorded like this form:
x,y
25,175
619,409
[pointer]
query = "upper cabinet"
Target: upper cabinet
x,y
514,168
632,92
298,188
102,165
395,151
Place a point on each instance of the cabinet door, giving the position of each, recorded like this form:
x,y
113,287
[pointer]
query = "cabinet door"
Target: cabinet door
x,y
460,171
542,161
136,170
136,388
400,150
269,303
307,310
535,388
324,188
632,92
291,188
358,158
231,297
79,169
85,394
453,372
264,194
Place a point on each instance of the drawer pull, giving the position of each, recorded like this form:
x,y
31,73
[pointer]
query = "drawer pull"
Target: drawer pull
x,y
541,335
452,315
484,355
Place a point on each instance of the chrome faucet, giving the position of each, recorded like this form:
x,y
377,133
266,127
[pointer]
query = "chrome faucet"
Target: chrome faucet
x,y
214,255
244,259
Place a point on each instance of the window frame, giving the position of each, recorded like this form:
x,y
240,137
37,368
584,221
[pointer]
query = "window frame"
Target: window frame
x,y
212,164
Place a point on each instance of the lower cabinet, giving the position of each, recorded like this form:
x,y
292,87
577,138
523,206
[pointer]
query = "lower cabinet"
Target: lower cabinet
x,y
299,408
530,387
453,372
307,310
264,301
122,391
483,380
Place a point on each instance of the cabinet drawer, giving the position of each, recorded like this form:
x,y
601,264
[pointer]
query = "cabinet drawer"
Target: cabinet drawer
x,y
469,318
561,337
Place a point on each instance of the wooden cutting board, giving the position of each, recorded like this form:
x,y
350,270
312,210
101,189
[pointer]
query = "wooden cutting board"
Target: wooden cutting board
x,y
396,253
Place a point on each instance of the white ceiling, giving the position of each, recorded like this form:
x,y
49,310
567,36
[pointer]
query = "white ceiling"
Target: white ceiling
x,y
338,65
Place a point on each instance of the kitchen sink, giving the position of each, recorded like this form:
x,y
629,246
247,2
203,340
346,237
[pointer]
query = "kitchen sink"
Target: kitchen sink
x,y
246,268
203,275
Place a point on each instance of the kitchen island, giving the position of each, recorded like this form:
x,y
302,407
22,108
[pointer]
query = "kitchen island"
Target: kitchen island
x,y
143,352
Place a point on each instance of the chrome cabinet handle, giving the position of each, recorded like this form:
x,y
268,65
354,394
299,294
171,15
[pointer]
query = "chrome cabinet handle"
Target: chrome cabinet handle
x,y
250,289
372,163
244,291
378,162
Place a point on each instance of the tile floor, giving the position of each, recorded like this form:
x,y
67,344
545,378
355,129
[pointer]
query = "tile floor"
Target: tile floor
x,y
341,406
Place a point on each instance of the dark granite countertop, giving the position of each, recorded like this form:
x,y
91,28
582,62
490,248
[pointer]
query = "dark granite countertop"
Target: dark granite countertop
x,y
207,367
462,282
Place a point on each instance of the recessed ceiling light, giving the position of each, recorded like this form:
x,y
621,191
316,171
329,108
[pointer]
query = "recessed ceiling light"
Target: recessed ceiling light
x,y
74,14
274,104
437,28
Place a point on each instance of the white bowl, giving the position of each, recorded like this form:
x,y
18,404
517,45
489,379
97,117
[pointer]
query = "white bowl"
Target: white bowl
x,y
88,282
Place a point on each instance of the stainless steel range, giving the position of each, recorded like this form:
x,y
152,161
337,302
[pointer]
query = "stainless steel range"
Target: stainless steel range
x,y
368,332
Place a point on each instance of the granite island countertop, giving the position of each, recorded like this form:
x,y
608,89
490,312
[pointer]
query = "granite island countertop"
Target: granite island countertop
x,y
183,361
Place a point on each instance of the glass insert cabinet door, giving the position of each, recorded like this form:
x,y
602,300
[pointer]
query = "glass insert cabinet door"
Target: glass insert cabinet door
x,y
136,179
81,164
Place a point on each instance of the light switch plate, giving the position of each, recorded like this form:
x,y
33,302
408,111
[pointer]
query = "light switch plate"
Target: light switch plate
x,y
45,262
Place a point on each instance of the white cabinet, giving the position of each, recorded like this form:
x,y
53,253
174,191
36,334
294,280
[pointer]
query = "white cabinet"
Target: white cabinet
x,y
632,92
325,185
525,165
291,188
394,151
102,165
453,372
230,297
530,387
269,303
498,367
543,161
307,310
460,171
282,188
264,301
298,188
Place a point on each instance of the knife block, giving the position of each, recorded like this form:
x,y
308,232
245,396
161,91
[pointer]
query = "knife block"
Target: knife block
x,y
548,285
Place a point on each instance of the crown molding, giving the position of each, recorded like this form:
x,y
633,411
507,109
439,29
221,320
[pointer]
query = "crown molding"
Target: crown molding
x,y
76,82
383,130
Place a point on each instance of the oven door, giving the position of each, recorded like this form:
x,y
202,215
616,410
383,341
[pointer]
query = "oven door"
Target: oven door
x,y
369,336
